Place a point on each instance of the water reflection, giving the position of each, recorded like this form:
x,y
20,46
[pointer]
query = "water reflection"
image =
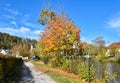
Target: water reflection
x,y
111,68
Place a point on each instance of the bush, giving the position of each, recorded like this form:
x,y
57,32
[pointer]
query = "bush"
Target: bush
x,y
118,59
8,64
70,66
56,61
83,71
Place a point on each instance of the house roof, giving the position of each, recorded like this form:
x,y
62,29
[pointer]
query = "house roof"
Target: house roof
x,y
116,45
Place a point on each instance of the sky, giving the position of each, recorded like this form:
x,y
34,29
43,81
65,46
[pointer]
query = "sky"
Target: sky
x,y
94,17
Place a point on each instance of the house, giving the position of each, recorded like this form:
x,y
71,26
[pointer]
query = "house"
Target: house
x,y
6,52
115,46
18,56
113,49
3,52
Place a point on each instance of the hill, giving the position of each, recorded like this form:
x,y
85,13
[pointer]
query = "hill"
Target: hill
x,y
8,41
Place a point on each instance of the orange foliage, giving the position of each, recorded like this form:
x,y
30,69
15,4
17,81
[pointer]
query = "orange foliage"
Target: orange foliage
x,y
60,34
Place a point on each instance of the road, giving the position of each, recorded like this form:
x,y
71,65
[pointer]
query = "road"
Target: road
x,y
31,75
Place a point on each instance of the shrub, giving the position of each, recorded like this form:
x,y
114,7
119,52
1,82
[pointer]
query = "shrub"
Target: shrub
x,y
118,59
8,64
70,66
56,61
83,71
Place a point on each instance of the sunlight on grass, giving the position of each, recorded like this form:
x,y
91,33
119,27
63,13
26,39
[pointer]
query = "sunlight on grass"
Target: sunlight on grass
x,y
40,64
62,79
57,77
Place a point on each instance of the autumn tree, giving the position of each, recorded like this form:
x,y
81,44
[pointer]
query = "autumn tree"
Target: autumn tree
x,y
23,49
83,48
45,16
59,38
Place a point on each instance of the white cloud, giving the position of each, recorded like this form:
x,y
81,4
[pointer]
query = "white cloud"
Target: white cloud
x,y
114,21
9,30
29,24
14,30
14,23
25,21
12,11
22,32
24,29
22,22
37,32
9,17
83,39
25,18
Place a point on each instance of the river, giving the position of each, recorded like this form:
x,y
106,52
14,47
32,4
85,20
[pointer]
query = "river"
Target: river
x,y
111,68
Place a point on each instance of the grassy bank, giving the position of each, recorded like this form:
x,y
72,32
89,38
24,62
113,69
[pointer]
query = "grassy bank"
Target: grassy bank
x,y
58,75
61,76
62,79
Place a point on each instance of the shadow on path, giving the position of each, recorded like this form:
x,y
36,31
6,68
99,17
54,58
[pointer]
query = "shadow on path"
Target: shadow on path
x,y
31,75
26,76
21,74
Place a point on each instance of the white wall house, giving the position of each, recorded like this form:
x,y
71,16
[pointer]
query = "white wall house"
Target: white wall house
x,y
3,52
113,46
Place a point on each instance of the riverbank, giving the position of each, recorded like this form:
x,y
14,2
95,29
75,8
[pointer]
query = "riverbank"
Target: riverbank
x,y
58,75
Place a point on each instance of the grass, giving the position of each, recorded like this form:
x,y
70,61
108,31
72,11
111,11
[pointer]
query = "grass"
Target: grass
x,y
40,64
62,79
57,77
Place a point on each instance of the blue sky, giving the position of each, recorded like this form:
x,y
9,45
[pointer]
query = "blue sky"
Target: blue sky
x,y
94,17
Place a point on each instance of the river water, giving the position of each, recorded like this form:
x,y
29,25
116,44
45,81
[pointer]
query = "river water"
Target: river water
x,y
111,68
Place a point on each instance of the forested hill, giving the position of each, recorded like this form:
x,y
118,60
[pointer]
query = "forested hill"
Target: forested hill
x,y
8,41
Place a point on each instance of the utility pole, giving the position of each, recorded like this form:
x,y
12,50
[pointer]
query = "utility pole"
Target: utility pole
x,y
88,66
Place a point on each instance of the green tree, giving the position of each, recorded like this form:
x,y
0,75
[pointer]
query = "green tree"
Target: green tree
x,y
8,42
45,16
101,50
23,49
101,55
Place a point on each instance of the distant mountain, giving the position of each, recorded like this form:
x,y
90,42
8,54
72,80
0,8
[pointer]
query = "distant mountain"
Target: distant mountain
x,y
8,41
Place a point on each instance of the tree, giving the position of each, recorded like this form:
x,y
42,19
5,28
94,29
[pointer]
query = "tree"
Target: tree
x,y
101,56
98,41
45,16
8,42
59,37
100,48
23,49
83,48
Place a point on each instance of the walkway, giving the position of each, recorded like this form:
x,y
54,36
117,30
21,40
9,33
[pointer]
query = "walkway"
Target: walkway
x,y
30,75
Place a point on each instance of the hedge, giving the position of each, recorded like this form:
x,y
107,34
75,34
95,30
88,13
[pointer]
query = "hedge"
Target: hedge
x,y
7,65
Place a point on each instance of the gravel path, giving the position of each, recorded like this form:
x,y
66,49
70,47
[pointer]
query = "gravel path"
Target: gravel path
x,y
31,75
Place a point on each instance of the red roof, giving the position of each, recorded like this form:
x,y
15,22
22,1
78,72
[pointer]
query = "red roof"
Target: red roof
x,y
117,45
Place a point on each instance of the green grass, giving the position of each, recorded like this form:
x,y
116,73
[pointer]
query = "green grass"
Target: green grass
x,y
57,77
62,79
40,65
